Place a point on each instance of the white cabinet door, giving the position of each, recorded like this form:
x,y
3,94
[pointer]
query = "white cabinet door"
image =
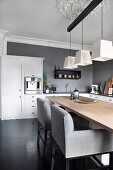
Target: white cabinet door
x,y
33,66
11,72
11,76
11,107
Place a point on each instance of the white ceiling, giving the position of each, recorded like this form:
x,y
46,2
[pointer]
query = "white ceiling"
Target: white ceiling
x,y
40,19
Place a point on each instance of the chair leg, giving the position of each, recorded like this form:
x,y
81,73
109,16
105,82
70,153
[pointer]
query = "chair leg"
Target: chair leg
x,y
53,154
45,141
52,164
38,138
67,164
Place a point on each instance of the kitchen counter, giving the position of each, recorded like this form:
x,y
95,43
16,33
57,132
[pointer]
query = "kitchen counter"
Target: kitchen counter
x,y
98,97
84,94
63,93
100,94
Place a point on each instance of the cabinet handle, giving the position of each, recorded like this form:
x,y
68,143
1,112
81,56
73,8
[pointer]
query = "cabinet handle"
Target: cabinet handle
x,y
33,113
32,100
32,96
20,90
33,106
20,97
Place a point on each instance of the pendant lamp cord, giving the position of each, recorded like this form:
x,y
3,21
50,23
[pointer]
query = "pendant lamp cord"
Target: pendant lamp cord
x,y
102,20
70,43
82,35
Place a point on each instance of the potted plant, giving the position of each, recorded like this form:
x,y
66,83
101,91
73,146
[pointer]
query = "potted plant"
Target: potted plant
x,y
45,83
53,88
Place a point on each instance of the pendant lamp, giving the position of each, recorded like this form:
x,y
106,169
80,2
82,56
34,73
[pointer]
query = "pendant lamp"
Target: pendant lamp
x,y
83,57
70,60
102,50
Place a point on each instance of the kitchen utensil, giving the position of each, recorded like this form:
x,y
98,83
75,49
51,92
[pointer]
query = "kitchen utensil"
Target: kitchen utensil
x,y
110,91
112,80
94,89
76,94
107,86
102,87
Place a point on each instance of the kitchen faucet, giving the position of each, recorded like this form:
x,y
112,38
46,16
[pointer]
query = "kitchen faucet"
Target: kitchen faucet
x,y
66,86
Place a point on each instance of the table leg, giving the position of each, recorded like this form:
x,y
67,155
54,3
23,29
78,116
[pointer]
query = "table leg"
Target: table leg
x,y
111,161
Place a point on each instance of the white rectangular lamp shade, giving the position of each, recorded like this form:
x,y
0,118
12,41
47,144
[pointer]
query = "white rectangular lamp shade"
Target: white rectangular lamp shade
x,y
69,62
83,58
102,50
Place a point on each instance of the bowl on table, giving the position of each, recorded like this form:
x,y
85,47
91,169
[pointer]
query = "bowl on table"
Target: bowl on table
x,y
85,100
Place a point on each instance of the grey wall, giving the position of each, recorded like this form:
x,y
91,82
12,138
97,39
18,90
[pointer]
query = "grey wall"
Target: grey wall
x,y
53,56
102,71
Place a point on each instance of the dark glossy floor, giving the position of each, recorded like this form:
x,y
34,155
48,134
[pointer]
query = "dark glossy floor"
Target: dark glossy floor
x,y
18,148
18,145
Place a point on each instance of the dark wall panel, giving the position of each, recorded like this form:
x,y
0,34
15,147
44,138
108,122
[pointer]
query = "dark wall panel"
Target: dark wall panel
x,y
53,56
102,71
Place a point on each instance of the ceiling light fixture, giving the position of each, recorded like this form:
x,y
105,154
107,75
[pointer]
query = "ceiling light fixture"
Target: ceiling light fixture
x,y
83,57
69,62
70,9
102,50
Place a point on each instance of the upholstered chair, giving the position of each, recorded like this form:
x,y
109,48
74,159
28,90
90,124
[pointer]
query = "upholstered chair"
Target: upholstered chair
x,y
75,144
44,120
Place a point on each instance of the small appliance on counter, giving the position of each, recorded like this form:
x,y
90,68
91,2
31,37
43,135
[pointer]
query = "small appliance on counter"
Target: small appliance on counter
x,y
94,89
110,91
32,85
74,95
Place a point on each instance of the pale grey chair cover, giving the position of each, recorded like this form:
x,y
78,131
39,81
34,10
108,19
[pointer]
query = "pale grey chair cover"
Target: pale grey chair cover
x,y
78,143
44,112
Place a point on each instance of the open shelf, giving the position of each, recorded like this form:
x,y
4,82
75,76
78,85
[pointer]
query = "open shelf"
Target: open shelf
x,y
67,74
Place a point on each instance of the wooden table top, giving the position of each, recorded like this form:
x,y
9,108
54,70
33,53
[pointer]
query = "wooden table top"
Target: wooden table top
x,y
99,112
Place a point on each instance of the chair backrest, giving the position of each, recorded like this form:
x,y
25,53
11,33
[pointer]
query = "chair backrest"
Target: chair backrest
x,y
62,126
44,112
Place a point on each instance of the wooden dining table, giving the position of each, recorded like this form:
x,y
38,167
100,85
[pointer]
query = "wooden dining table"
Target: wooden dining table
x,y
96,111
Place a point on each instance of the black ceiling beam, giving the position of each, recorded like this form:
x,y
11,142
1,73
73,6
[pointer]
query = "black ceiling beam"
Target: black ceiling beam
x,y
86,11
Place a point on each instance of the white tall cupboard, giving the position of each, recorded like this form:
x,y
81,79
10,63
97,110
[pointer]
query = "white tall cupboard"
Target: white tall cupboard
x,y
14,103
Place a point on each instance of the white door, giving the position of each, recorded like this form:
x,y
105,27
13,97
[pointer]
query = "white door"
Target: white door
x,y
11,88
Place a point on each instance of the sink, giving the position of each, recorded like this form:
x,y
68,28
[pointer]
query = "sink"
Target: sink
x,y
85,100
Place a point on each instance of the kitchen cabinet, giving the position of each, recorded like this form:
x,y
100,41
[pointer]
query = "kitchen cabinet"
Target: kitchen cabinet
x,y
98,97
103,98
14,103
30,106
11,94
11,76
11,107
31,65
